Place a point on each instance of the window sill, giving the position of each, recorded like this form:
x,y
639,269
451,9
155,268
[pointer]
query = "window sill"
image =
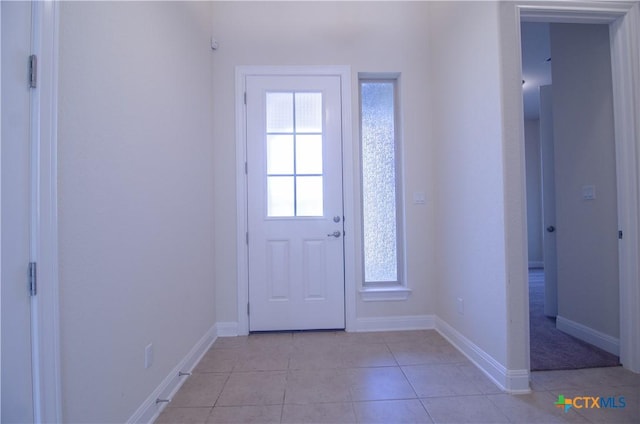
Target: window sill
x,y
384,294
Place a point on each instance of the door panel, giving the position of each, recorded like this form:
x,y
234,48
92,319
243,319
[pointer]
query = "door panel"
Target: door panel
x,y
314,265
294,155
548,203
17,404
277,276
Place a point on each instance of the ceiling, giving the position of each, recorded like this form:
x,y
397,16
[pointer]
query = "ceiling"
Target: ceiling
x,y
536,70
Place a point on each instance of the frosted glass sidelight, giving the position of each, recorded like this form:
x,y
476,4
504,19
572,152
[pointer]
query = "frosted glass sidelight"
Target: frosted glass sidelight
x,y
279,154
279,112
309,194
280,200
308,112
379,182
309,154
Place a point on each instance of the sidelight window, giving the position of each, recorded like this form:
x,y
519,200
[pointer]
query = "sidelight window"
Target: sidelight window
x,y
381,194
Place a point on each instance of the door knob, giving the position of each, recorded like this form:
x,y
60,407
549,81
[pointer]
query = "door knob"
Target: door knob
x,y
551,229
335,234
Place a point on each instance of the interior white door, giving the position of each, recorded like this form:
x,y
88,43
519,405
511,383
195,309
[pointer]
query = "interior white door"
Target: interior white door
x,y
17,393
295,203
548,203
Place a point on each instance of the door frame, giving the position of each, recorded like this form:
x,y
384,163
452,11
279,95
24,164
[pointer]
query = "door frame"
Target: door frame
x,y
623,19
47,400
344,72
48,390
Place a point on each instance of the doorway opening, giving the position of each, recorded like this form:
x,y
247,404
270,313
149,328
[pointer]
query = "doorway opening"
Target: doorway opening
x,y
571,196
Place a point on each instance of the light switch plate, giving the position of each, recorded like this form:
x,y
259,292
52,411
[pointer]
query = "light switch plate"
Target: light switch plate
x,y
588,192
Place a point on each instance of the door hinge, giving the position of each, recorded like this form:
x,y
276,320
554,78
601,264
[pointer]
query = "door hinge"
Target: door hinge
x,y
247,308
246,236
33,279
33,71
245,97
246,168
620,234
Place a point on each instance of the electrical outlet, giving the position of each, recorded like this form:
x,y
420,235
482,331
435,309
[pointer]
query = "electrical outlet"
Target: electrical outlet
x,y
148,355
460,305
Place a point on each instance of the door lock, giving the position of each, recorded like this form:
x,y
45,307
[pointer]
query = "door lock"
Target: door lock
x,y
335,234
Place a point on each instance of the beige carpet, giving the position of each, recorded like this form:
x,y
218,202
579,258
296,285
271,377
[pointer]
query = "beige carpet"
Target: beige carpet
x,y
551,349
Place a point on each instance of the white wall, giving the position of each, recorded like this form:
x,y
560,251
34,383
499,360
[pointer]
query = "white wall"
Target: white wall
x,y
470,203
368,36
534,191
136,207
587,245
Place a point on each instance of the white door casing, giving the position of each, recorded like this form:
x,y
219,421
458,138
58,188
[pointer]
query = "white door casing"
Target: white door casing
x,y
40,29
295,203
623,19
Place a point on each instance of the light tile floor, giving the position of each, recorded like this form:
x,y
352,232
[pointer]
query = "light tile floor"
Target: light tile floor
x,y
389,377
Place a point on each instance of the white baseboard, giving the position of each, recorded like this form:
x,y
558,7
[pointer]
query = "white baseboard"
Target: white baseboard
x,y
227,329
589,335
406,322
511,381
150,410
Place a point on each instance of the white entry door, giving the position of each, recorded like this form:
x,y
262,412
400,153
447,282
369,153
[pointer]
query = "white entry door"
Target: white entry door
x,y
295,218
17,392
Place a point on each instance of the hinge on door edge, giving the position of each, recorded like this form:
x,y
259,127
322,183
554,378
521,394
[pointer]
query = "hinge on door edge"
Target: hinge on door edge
x,y
33,71
33,279
247,308
620,234
245,97
246,236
